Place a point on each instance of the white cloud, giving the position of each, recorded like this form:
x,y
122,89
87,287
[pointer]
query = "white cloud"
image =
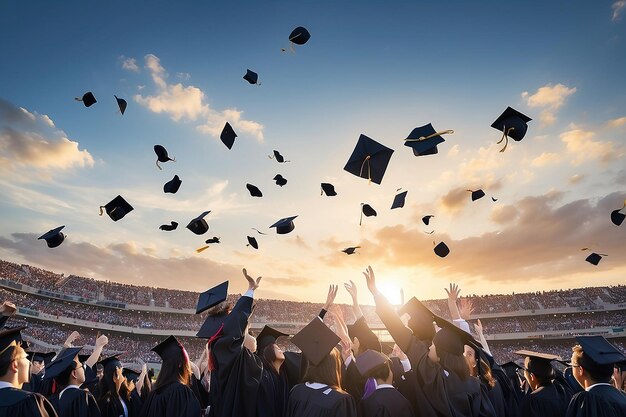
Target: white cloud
x,y
547,118
129,64
182,102
582,146
619,122
576,178
545,159
617,7
454,151
549,96
47,120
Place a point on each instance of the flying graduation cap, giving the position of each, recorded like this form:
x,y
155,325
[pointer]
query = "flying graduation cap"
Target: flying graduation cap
x,y
121,103
328,189
252,77
617,217
212,297
512,124
254,191
594,258
88,99
298,36
279,158
173,185
284,226
398,200
477,194
426,219
424,140
368,211
198,225
53,237
252,242
169,227
117,208
162,155
442,250
228,135
351,250
369,159
214,239
280,180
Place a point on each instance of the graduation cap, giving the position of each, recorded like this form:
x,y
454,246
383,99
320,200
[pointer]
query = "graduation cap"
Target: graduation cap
x,y
398,200
426,219
594,258
512,124
367,339
369,361
299,36
351,250
252,242
83,358
62,362
599,351
539,363
198,225
369,159
368,211
88,99
162,155
617,217
111,362
117,208
212,297
442,250
228,135
169,348
452,339
131,375
254,191
280,180
10,337
328,189
284,226
169,227
424,140
53,237
315,340
267,337
251,77
41,357
121,103
211,326
276,155
477,194
214,239
173,185
420,318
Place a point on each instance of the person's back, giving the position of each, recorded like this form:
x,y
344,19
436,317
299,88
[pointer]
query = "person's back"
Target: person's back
x,y
385,401
599,401
549,400
15,402
174,399
317,400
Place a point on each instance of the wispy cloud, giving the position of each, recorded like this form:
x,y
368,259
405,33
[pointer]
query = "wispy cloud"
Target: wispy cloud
x,y
550,98
129,64
546,159
617,8
619,122
580,144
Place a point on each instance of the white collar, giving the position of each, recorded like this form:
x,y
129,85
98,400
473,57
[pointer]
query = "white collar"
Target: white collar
x,y
315,385
384,386
595,385
66,388
4,384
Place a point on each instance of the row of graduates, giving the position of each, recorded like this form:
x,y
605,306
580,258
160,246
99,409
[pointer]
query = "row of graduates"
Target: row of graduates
x,y
444,373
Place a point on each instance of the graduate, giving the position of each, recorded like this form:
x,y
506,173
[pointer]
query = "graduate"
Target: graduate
x,y
171,395
38,361
385,401
14,372
274,385
592,363
114,397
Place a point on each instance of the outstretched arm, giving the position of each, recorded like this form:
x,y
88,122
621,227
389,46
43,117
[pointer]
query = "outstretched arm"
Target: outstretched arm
x,y
351,288
330,298
453,295
101,342
479,329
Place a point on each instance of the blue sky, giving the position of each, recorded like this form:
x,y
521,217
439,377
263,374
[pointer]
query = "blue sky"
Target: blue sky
x,y
374,68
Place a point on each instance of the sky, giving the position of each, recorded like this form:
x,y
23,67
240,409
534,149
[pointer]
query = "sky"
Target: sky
x,y
370,67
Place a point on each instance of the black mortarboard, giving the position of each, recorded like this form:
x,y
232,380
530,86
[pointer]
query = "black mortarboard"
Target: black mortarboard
x,y
162,155
599,350
452,339
198,225
121,103
398,200
63,361
10,337
594,258
88,99
512,124
168,348
284,226
214,239
299,36
368,210
83,358
53,237
539,364
212,297
280,180
254,190
369,159
476,195
117,208
328,189
442,250
267,337
111,362
315,340
279,158
420,318
211,326
131,375
252,242
251,77
367,339
169,227
426,219
228,135
370,360
617,217
41,357
424,140
351,250
173,185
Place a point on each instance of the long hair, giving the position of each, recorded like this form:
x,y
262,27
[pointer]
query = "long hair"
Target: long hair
x,y
269,356
108,389
175,369
327,372
485,374
454,363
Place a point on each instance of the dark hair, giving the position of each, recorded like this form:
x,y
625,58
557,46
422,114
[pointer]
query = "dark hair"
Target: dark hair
x,y
541,369
174,369
7,357
269,356
381,371
107,386
327,372
455,364
63,379
485,374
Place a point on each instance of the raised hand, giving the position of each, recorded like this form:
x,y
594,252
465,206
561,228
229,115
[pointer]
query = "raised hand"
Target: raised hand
x,y
466,308
252,284
8,309
330,298
346,349
397,352
351,288
70,339
454,292
370,280
101,341
478,327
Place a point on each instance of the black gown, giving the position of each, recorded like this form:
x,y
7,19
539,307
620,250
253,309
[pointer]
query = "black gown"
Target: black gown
x,y
273,393
547,401
322,402
75,402
172,400
496,398
19,403
112,407
237,374
510,395
600,401
385,402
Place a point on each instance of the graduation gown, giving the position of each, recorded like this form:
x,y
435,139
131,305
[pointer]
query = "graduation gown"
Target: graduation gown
x,y
35,383
385,402
291,367
237,374
548,401
112,407
75,402
172,400
273,393
496,398
510,395
19,403
322,402
600,401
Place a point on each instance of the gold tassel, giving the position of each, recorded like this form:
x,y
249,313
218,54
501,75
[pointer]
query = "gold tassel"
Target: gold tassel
x,y
432,135
202,249
101,207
